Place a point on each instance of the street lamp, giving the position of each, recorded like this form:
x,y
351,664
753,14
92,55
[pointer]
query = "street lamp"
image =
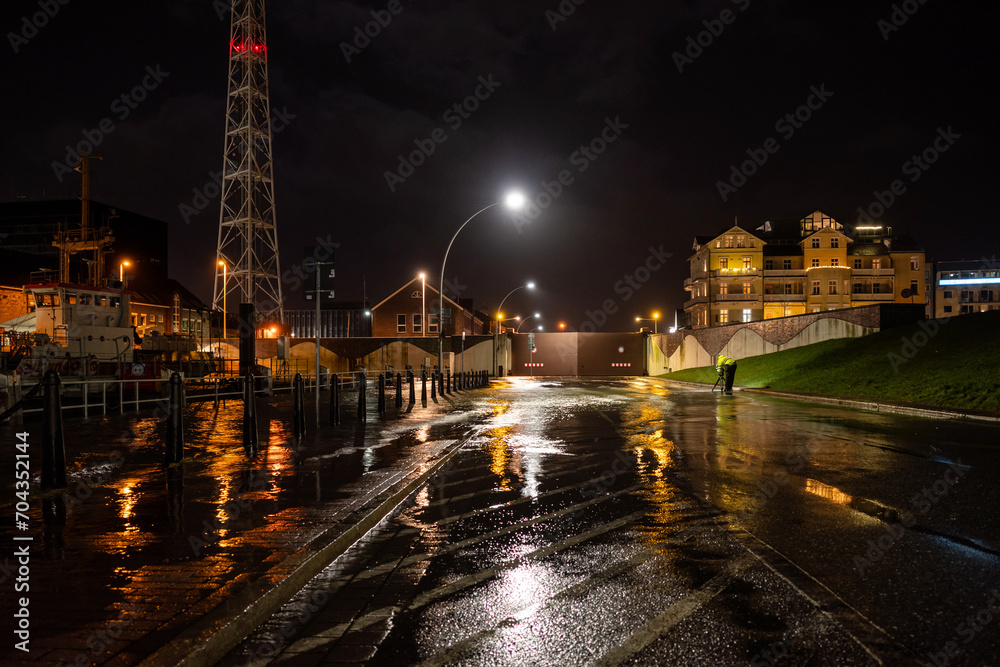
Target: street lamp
x,y
653,319
423,305
514,201
121,271
529,285
525,320
225,291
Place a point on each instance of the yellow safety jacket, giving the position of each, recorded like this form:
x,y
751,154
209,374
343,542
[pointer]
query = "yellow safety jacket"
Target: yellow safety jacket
x,y
723,361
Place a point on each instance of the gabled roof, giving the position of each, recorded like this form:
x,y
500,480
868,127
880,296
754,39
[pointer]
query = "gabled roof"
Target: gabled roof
x,y
735,229
407,286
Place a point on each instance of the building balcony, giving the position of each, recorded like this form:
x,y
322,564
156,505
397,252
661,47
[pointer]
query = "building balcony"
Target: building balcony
x,y
873,272
736,297
784,273
735,272
783,298
695,301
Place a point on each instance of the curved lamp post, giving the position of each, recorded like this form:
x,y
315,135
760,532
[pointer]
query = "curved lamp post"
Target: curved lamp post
x,y
530,285
525,320
514,200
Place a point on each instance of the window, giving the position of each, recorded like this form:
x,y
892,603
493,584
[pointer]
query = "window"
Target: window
x,y
746,287
947,294
746,262
815,261
815,287
729,240
788,288
834,261
723,317
815,242
768,264
947,309
417,323
786,264
857,264
741,241
876,264
401,323
432,324
834,242
723,262
746,314
915,263
723,289
159,318
833,287
914,288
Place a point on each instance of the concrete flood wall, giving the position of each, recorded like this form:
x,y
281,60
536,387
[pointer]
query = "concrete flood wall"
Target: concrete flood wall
x,y
594,353
344,355
700,347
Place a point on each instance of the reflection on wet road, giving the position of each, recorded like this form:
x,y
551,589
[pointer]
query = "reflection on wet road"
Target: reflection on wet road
x,y
628,521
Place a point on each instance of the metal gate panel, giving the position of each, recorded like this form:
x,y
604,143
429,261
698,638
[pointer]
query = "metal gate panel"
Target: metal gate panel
x,y
611,354
556,354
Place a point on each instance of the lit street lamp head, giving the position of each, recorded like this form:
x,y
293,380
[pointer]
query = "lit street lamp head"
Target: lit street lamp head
x,y
515,201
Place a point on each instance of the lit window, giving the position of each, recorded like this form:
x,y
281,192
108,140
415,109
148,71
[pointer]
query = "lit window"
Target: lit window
x,y
729,241
876,264
741,241
746,262
723,317
915,263
746,314
723,262
746,288
723,288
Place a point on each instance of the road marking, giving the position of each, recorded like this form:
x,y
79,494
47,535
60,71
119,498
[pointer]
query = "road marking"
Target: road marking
x,y
655,628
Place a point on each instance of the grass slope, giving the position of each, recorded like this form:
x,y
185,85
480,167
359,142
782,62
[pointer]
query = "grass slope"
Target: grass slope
x,y
953,363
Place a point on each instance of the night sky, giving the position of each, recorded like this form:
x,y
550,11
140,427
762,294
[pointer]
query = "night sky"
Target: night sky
x,y
551,77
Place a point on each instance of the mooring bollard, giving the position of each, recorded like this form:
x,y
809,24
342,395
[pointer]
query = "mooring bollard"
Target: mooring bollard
x,y
298,405
362,401
334,399
249,415
399,390
53,444
446,389
441,382
423,385
381,393
175,420
411,381
434,385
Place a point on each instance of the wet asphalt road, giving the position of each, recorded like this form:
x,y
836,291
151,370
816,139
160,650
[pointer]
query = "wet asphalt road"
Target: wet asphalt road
x,y
631,522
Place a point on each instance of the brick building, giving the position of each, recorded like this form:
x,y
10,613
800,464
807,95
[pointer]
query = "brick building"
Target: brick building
x,y
404,311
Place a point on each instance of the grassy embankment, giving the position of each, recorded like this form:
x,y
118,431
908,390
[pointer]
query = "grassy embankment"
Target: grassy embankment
x,y
956,365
